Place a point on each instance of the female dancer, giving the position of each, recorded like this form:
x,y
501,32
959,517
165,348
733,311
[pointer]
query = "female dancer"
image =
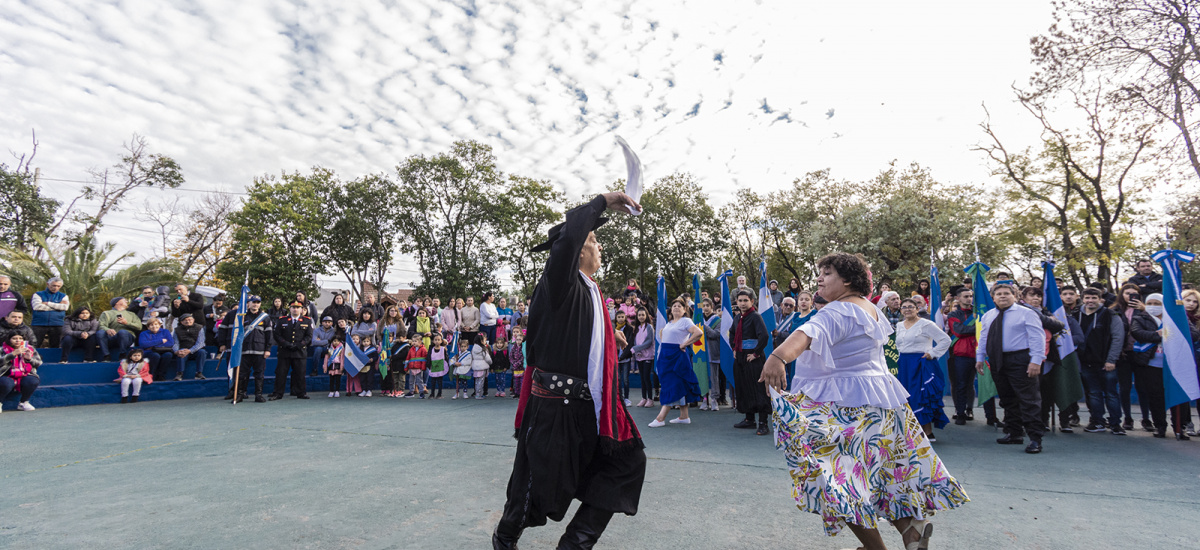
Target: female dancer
x,y
855,450
674,366
920,342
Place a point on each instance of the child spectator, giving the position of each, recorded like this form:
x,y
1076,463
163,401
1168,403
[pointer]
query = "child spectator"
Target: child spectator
x,y
438,366
396,370
500,364
366,377
415,364
422,327
516,360
133,370
481,362
18,370
333,366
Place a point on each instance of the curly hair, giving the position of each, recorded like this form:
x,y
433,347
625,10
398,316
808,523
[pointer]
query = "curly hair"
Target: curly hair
x,y
852,268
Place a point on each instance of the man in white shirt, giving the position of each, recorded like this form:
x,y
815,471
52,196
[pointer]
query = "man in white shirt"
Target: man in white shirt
x,y
1013,343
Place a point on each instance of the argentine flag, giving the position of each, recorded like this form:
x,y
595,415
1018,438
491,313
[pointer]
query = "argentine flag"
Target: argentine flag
x,y
354,359
766,306
1179,368
660,320
726,326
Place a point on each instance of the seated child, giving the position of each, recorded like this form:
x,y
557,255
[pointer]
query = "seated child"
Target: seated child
x,y
133,370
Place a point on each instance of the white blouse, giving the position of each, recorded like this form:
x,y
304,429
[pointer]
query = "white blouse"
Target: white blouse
x,y
677,332
924,336
845,362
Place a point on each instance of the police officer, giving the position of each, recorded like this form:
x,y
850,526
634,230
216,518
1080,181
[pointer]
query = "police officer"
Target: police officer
x,y
256,348
293,334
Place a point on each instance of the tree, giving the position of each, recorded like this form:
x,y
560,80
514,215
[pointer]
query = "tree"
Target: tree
x,y
24,212
138,168
531,209
205,239
1143,52
454,205
276,232
1082,183
88,271
362,230
1185,232
165,215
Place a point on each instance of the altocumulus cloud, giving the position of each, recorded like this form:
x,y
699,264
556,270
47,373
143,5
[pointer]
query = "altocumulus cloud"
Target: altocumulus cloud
x,y
736,93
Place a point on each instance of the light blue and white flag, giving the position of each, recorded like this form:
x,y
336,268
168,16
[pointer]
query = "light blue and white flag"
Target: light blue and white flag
x,y
354,359
1068,387
766,306
726,326
240,329
1179,365
660,319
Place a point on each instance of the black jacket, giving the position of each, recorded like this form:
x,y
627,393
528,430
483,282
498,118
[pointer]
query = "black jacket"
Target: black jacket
x,y
337,311
293,336
1143,330
1147,284
193,305
258,340
7,330
753,328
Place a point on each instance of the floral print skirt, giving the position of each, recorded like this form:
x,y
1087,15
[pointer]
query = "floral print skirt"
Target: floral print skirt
x,y
858,464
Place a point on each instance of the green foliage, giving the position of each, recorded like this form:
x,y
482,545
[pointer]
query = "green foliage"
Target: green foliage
x,y
454,218
88,271
276,233
530,207
1185,232
360,229
24,212
677,235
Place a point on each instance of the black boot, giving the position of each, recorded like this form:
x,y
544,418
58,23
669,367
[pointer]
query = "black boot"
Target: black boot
x,y
229,396
585,528
505,537
133,399
258,398
124,400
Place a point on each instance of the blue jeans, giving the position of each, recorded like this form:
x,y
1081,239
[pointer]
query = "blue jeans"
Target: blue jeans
x,y
28,384
1102,392
490,331
196,357
89,346
119,342
623,378
159,362
318,356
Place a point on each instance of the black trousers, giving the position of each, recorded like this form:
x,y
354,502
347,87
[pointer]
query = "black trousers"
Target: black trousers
x,y
558,460
1125,374
256,363
1151,394
54,334
751,394
296,365
1020,395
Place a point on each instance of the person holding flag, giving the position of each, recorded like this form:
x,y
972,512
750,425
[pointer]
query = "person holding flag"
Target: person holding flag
x,y
250,338
982,303
711,324
1181,381
727,355
749,338
575,438
1063,385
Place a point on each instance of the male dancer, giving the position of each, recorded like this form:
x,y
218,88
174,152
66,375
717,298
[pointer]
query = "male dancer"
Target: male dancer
x,y
575,440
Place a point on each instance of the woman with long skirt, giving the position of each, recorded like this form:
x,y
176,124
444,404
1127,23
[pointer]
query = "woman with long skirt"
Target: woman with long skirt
x,y
920,343
674,365
855,451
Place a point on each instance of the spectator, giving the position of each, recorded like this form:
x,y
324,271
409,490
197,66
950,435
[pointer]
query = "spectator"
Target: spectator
x,y
962,322
49,313
10,300
12,323
276,310
884,288
189,346
1070,299
309,307
369,303
82,330
776,295
338,310
120,327
1129,307
488,316
323,334
366,324
741,285
1109,298
186,302
793,290
505,322
18,370
1103,339
922,290
891,306
1147,281
468,322
159,347
819,302
134,370
152,303
213,313
450,318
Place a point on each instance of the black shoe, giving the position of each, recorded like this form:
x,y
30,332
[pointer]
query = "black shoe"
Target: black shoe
x,y
200,377
960,421
745,423
994,422
178,377
229,395
762,429
500,544
1066,428
1161,434
124,400
259,399
1118,430
722,402
1128,424
1147,425
1034,447
1095,428
970,417
133,399
1180,436
1074,420
932,437
1011,440
275,397
305,396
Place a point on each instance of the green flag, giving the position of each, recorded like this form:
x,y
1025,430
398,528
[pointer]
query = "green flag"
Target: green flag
x,y
700,347
982,304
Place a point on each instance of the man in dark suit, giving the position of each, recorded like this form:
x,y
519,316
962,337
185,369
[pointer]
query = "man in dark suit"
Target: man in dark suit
x,y
293,334
575,439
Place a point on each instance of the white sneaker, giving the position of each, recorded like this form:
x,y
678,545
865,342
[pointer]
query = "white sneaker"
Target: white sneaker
x,y
337,394
681,421
656,423
367,393
715,406
25,406
704,405
330,394
478,397
628,402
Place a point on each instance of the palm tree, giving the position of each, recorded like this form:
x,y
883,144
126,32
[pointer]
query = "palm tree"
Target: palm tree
x,y
88,271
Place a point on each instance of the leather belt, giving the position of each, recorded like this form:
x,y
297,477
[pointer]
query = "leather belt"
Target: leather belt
x,y
554,385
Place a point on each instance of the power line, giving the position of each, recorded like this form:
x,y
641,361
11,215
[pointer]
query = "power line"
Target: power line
x,y
190,190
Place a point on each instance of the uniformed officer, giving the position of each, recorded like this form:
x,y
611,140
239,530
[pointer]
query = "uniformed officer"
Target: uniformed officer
x,y
293,334
256,348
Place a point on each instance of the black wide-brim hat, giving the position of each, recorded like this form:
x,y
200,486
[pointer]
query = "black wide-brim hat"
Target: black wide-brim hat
x,y
556,232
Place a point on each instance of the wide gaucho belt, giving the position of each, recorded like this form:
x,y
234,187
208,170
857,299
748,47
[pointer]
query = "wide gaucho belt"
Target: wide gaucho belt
x,y
554,385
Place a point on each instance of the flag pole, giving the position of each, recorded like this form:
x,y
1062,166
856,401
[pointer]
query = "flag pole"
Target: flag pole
x,y
237,373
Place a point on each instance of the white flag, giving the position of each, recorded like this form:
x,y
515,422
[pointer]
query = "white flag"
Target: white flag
x,y
633,182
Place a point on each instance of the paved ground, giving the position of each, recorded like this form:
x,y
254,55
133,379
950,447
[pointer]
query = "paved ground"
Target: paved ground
x,y
388,473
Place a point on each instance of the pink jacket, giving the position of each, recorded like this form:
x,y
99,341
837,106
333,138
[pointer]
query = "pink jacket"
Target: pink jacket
x,y
143,372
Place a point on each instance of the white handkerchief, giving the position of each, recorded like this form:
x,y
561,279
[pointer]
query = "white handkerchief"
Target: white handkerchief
x,y
633,182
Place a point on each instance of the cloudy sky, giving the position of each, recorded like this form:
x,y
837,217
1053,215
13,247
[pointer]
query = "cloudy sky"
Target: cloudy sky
x,y
739,93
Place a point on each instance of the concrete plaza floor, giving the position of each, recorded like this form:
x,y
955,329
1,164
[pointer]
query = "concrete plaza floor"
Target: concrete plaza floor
x,y
391,473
